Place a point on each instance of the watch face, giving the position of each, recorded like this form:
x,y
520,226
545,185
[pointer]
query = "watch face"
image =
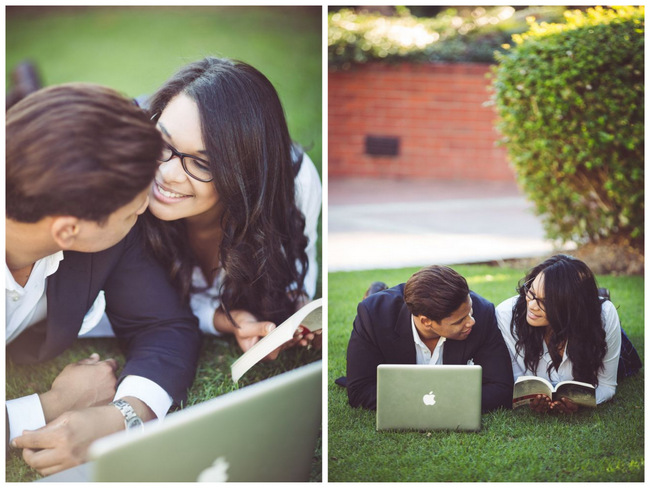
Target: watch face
x,y
133,423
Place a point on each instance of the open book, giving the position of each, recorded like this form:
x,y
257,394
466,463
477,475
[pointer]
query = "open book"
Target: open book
x,y
527,387
310,316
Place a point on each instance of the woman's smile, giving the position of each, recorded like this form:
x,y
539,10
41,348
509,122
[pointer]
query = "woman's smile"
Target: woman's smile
x,y
166,195
533,316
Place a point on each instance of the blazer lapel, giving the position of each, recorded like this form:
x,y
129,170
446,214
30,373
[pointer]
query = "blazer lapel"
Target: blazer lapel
x,y
403,345
68,299
454,352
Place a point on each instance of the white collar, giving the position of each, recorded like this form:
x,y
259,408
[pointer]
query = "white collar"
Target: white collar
x,y
43,268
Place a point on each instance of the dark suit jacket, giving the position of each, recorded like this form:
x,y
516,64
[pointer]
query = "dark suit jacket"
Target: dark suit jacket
x,y
382,334
158,333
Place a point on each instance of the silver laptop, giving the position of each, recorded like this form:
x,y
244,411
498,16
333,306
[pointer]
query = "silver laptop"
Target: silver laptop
x,y
425,397
263,432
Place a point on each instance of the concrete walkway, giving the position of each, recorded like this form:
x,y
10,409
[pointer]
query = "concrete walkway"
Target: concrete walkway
x,y
397,223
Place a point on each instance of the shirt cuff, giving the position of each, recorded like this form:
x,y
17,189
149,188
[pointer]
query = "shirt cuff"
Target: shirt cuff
x,y
147,391
25,413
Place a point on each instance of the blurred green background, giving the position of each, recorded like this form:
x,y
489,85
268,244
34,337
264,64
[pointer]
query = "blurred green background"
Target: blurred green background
x,y
135,49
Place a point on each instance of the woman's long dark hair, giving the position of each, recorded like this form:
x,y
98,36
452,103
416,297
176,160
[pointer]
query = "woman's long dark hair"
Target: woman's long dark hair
x,y
254,164
573,310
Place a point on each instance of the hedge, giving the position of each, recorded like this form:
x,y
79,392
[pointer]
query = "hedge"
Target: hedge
x,y
570,98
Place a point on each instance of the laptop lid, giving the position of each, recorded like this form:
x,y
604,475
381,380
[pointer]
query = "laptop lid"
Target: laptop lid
x,y
263,432
427,397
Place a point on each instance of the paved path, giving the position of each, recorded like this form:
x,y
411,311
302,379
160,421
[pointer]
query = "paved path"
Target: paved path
x,y
396,223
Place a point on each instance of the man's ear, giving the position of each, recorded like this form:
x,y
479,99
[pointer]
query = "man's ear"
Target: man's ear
x,y
65,230
426,321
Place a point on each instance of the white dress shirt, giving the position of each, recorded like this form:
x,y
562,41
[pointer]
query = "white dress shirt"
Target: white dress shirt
x,y
308,199
423,355
26,306
606,377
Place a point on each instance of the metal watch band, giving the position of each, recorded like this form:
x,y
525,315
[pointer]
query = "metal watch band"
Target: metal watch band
x,y
131,419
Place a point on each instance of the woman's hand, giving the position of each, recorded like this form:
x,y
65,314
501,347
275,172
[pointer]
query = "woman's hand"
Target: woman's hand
x,y
306,338
564,405
303,336
250,331
541,404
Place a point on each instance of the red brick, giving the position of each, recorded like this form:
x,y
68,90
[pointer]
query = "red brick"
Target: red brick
x,y
437,111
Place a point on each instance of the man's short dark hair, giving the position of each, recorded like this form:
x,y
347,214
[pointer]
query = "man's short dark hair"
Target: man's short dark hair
x,y
77,149
435,292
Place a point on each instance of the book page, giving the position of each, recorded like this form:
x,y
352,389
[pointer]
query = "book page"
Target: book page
x,y
581,393
527,387
278,336
314,320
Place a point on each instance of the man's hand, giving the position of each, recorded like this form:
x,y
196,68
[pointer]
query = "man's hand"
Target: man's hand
x,y
64,443
541,404
564,405
86,383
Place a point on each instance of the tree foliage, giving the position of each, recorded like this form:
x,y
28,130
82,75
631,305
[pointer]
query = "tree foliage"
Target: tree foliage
x,y
571,103
468,34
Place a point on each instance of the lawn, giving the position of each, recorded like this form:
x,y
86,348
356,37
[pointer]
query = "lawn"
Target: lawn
x,y
212,379
603,444
134,49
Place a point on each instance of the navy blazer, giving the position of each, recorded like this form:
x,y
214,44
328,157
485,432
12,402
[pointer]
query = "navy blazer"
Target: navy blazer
x,y
158,333
382,334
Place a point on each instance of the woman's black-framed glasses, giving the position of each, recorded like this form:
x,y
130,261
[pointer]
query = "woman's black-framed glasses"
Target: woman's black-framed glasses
x,y
197,168
530,296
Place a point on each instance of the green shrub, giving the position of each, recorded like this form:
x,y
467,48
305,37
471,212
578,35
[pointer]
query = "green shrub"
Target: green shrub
x,y
470,34
571,102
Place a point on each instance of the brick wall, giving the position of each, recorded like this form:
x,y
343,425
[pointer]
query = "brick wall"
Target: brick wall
x,y
435,110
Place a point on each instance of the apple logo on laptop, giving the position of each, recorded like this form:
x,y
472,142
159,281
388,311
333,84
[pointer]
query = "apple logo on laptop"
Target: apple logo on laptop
x,y
215,473
429,399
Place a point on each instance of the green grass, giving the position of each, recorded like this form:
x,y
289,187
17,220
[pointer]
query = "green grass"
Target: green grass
x,y
212,379
134,50
603,444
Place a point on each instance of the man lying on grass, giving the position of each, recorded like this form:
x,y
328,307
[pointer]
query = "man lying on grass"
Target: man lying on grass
x,y
432,319
80,160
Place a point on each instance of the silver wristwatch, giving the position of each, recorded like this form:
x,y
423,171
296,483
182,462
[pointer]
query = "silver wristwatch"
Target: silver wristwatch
x,y
131,419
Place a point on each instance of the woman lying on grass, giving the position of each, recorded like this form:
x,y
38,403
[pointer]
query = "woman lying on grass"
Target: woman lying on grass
x,y
235,203
559,328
